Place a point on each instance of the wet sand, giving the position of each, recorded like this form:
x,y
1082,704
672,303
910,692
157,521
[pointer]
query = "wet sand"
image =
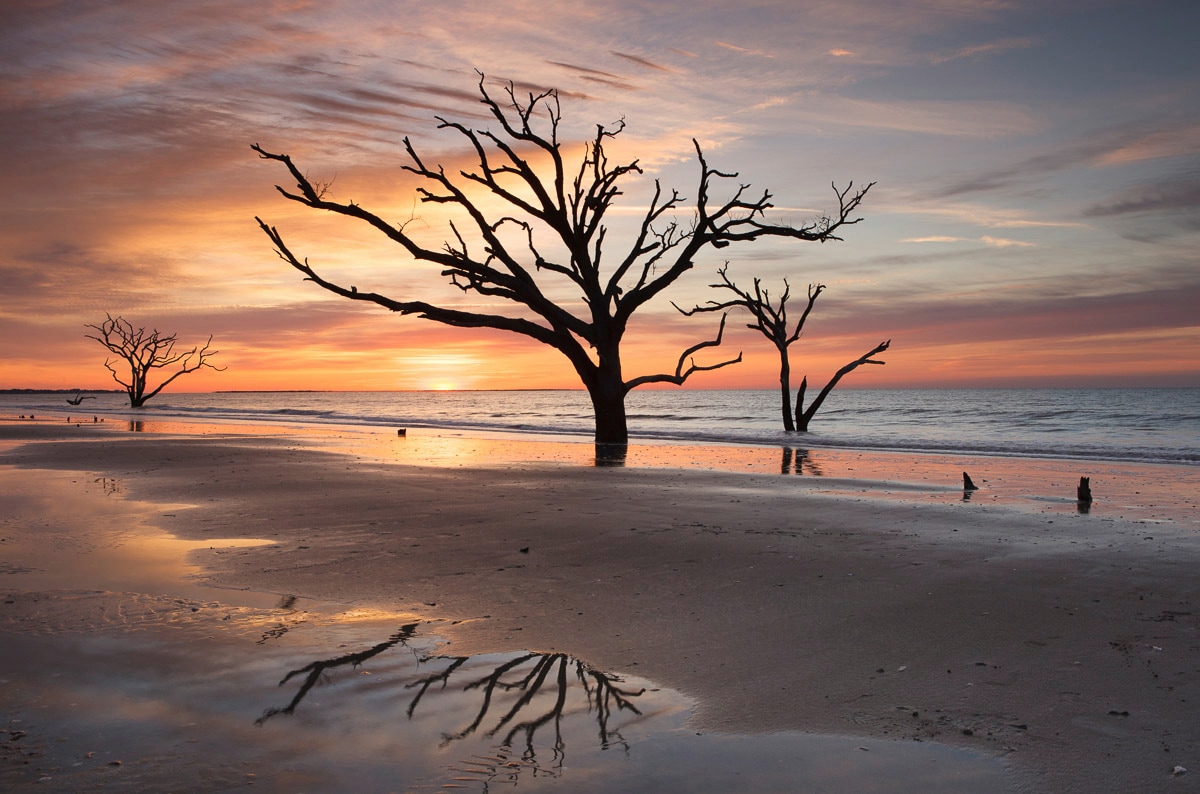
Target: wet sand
x,y
853,595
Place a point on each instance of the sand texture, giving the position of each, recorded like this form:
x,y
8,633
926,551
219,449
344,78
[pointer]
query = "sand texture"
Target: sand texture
x,y
1064,643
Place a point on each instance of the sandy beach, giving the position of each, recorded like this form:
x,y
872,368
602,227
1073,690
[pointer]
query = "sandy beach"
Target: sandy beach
x,y
814,592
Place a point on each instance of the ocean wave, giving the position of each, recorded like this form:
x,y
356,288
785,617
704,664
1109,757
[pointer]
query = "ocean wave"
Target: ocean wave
x,y
1153,426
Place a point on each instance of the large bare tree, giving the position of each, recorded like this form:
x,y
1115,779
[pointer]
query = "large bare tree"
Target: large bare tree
x,y
144,351
553,235
771,320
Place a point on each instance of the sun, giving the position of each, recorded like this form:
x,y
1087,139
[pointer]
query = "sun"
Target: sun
x,y
444,386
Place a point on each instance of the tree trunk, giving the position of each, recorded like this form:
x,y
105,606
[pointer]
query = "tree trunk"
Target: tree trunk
x,y
785,388
801,416
609,404
137,389
606,387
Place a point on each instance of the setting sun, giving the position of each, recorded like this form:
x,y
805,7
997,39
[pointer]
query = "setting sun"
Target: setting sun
x,y
1032,234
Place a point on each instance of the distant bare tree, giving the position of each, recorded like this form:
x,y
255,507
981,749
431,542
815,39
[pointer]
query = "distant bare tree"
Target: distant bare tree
x,y
553,236
142,352
771,321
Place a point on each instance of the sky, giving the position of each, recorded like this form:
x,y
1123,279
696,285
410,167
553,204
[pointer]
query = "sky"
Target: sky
x,y
1035,219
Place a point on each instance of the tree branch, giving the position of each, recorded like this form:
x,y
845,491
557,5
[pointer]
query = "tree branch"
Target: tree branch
x,y
682,375
803,417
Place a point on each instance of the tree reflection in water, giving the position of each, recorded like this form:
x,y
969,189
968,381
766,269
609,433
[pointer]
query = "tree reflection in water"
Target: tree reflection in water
x,y
318,669
799,461
523,694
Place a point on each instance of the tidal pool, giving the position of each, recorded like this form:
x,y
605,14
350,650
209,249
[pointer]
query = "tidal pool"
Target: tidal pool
x,y
121,670
215,701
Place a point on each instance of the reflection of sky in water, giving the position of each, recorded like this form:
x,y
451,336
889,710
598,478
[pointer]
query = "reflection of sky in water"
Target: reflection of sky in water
x,y
78,532
359,701
1130,491
159,703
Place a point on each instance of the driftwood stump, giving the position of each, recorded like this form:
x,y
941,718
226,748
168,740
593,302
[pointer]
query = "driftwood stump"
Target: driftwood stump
x,y
967,484
1084,491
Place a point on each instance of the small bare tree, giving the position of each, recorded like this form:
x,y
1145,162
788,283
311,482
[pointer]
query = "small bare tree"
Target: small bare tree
x,y
143,351
771,321
550,234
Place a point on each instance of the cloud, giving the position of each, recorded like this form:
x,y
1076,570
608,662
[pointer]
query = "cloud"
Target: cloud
x,y
923,206
1028,224
1100,149
1182,141
767,104
838,52
597,76
998,242
1062,158
644,62
960,118
1044,311
1180,195
1004,242
991,48
744,50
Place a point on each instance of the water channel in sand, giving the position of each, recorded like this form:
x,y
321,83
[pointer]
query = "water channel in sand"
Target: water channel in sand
x,y
121,668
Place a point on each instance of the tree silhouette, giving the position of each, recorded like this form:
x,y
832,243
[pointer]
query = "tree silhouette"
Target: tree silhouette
x,y
144,351
551,234
771,320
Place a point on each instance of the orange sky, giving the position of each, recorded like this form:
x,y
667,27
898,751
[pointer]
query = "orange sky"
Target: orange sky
x,y
1034,220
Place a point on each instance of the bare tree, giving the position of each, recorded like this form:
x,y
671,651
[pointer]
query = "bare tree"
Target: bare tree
x,y
554,237
143,351
771,321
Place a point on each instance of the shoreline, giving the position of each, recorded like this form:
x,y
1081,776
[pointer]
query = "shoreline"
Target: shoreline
x,y
797,603
1091,426
1152,492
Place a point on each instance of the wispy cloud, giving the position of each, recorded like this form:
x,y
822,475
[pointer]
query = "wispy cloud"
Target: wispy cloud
x,y
646,62
1030,224
1097,149
997,242
766,104
974,213
990,48
1004,242
744,50
981,119
596,75
1182,141
1178,195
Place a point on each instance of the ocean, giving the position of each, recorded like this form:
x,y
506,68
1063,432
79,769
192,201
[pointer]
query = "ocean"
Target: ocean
x,y
1130,425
